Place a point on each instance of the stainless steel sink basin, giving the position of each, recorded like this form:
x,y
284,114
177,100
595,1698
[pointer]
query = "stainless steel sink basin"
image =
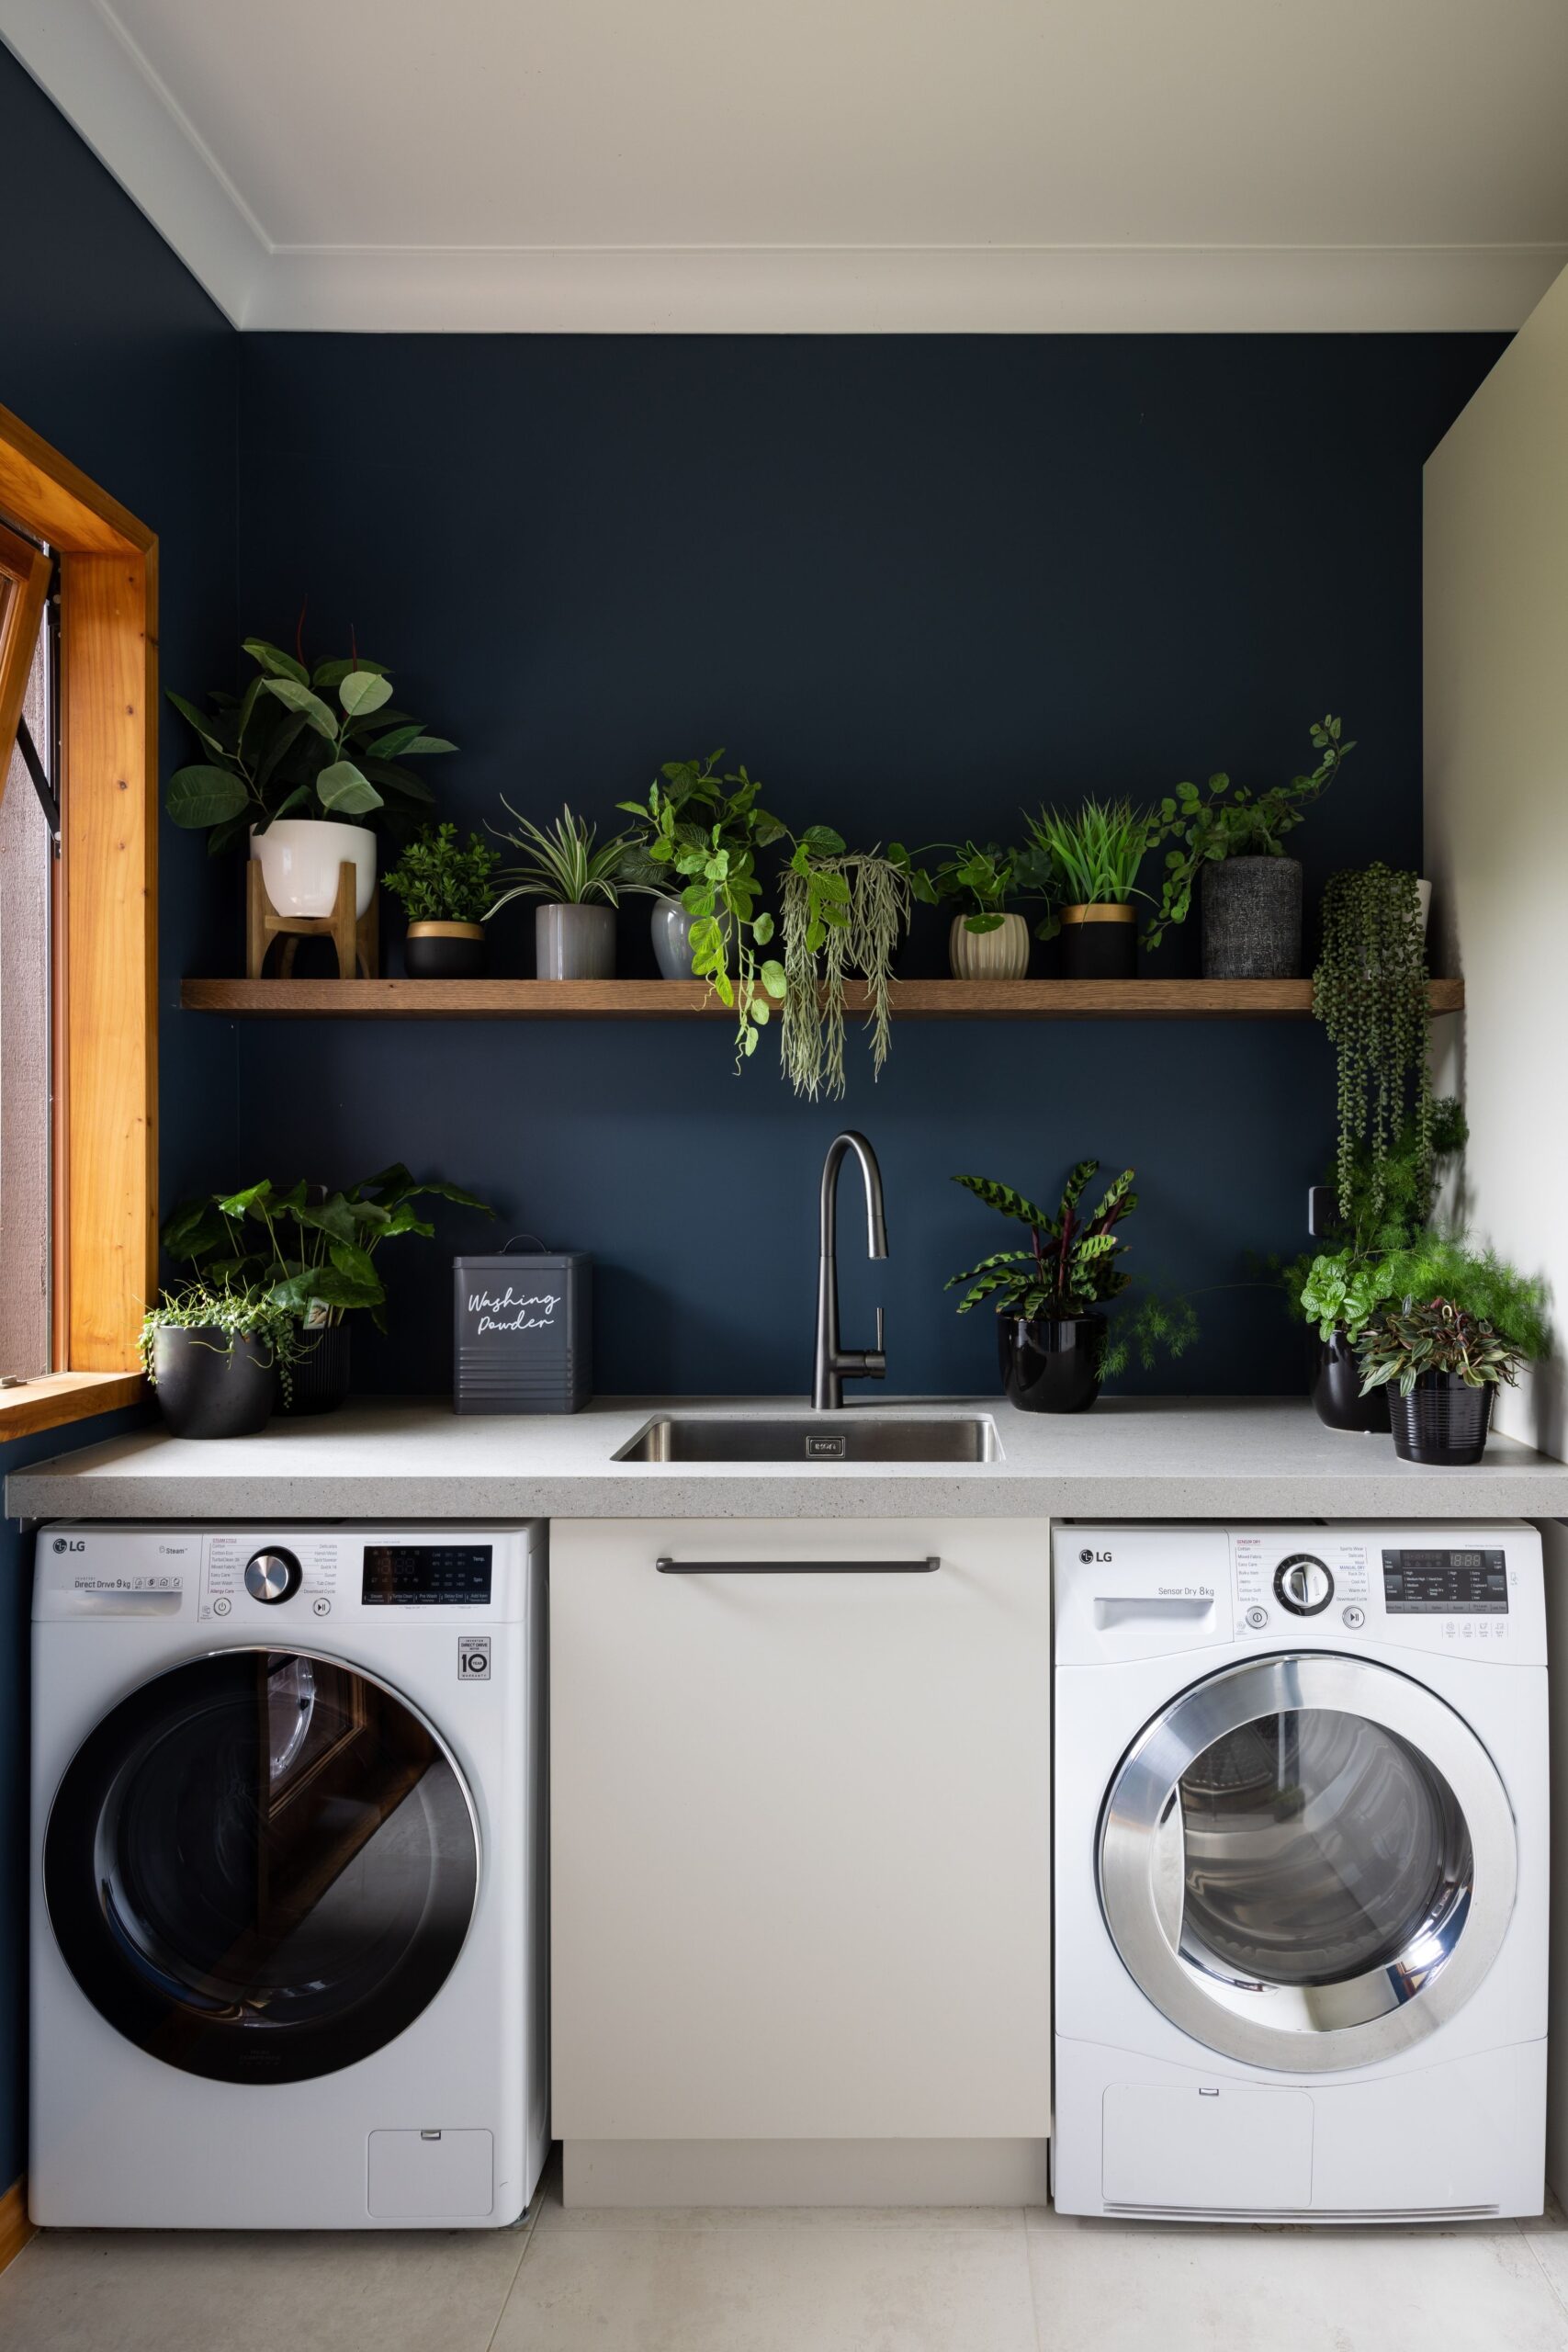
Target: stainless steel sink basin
x,y
815,1437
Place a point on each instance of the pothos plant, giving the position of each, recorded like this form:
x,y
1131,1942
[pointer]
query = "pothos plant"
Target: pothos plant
x,y
700,831
1072,1266
301,742
1228,819
982,882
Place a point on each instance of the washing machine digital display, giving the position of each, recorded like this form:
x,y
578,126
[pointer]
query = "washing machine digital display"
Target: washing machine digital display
x,y
426,1575
1445,1583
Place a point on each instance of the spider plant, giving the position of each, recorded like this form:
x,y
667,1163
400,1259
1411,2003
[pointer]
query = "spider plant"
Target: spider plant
x,y
565,862
1087,857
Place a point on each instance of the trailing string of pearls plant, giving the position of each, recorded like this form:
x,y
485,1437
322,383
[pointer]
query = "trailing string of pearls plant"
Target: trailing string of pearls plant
x,y
1370,991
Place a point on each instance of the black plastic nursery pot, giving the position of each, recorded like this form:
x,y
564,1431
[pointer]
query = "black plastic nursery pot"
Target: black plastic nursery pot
x,y
1100,944
445,951
318,1378
209,1385
1336,1390
1052,1367
1443,1422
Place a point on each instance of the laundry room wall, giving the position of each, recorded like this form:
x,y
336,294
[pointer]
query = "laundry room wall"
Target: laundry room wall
x,y
112,352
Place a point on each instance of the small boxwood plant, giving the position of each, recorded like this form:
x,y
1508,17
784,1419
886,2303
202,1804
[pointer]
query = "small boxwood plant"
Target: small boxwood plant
x,y
440,880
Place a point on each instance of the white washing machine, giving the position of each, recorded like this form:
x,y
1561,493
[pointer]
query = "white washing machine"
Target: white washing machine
x,y
288,1876
1301,1872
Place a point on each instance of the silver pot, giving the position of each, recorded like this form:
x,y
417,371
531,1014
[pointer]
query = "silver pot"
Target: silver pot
x,y
671,929
575,943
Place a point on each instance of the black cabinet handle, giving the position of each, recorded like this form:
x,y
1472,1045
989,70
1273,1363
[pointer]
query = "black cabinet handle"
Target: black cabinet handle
x,y
669,1567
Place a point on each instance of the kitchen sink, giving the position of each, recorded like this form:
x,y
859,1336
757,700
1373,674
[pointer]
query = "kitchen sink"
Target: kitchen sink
x,y
815,1437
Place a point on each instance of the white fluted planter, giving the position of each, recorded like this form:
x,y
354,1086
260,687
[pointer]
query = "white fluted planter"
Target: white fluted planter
x,y
1001,955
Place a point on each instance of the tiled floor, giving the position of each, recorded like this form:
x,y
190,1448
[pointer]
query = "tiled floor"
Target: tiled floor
x,y
833,2280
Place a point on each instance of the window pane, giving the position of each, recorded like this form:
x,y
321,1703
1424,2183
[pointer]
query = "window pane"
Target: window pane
x,y
26,859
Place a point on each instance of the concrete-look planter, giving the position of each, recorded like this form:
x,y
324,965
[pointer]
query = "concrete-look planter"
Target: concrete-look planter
x,y
575,943
1252,919
1001,955
300,857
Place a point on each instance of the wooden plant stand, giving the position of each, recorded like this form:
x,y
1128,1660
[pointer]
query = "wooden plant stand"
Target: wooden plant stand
x,y
357,941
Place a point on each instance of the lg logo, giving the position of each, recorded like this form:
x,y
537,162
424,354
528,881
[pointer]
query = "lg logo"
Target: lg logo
x,y
1087,1557
69,1543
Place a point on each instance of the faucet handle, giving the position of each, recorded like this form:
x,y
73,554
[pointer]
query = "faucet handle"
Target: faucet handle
x,y
880,1332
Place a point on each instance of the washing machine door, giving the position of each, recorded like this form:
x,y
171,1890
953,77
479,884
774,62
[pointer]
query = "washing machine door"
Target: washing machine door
x,y
262,1865
1307,1863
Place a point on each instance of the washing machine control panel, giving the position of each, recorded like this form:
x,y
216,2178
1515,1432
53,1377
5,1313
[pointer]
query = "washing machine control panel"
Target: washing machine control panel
x,y
1446,1587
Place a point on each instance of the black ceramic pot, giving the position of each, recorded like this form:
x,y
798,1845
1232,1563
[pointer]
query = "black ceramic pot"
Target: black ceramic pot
x,y
1100,944
445,951
317,1380
209,1386
1336,1390
1052,1367
1443,1422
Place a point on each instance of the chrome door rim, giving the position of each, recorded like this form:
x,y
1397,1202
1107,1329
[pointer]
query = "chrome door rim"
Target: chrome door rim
x,y
1312,2029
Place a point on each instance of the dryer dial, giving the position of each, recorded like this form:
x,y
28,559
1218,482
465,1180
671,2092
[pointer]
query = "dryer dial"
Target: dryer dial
x,y
272,1575
1302,1585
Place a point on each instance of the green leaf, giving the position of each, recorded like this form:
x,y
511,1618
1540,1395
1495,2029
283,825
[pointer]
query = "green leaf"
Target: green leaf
x,y
204,795
363,691
1003,1198
313,709
277,664
394,743
250,1201
425,746
345,792
328,675
202,726
774,980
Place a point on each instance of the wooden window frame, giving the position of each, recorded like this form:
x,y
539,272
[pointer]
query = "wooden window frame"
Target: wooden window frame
x,y
106,935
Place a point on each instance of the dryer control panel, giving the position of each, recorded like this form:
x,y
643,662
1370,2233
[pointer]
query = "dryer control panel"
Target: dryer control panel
x,y
1140,1591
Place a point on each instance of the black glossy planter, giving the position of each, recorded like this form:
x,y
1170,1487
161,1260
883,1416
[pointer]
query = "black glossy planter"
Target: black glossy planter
x,y
445,951
1336,1390
207,1387
1052,1367
317,1380
1442,1423
1100,944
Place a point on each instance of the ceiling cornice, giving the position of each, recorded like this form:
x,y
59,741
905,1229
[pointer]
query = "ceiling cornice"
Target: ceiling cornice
x,y
103,85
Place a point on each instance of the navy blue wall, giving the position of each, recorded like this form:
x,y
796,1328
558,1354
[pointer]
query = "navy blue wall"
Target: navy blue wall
x,y
914,583
110,350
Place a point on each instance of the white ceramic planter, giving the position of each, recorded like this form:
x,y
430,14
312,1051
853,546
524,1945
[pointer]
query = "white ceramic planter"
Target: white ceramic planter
x,y
990,955
299,858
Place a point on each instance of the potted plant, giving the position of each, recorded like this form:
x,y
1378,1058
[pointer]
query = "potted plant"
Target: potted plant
x,y
301,761
1464,1322
314,1261
1052,1336
843,912
1086,861
215,1356
579,879
987,941
446,893
1252,891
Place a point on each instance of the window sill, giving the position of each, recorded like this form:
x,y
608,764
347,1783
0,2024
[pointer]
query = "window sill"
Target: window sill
x,y
52,1401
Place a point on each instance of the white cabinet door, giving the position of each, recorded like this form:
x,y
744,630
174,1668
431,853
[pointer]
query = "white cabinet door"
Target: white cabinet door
x,y
800,1830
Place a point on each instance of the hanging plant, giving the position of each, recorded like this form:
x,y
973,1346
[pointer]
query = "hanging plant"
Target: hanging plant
x,y
842,916
1371,992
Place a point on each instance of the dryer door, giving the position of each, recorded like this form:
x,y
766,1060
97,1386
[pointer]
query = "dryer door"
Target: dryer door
x,y
261,1866
1307,1863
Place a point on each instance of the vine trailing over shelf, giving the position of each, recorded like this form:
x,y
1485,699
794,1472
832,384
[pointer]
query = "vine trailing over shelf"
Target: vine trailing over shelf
x,y
841,915
1370,991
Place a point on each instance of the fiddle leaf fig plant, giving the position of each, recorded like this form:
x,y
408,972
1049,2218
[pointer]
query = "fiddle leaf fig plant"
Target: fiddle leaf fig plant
x,y
298,742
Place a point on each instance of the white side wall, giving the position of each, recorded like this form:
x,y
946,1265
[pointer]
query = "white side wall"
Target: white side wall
x,y
1496,753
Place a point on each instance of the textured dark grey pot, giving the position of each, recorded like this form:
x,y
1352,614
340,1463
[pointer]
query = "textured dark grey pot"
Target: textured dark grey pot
x,y
317,1380
1252,919
206,1388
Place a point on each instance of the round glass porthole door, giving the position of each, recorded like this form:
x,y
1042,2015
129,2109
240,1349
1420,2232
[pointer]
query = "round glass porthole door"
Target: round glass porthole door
x,y
1307,1863
261,1866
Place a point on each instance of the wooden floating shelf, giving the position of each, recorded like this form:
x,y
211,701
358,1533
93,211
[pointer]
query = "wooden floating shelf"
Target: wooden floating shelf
x,y
677,1000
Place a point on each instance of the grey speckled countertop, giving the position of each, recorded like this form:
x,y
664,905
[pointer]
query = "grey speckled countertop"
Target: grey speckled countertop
x,y
1129,1458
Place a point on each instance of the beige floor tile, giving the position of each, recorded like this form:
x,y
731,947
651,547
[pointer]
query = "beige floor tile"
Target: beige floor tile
x,y
1549,2248
157,2291
1125,2286
774,2284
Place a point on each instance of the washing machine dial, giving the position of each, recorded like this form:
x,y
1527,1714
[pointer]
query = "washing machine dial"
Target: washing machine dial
x,y
272,1575
1302,1585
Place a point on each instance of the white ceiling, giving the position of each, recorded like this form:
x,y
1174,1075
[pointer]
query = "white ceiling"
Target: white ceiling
x,y
816,164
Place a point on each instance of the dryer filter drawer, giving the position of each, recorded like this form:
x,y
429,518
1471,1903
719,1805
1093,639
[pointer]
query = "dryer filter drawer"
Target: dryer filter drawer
x,y
430,2176
1223,2151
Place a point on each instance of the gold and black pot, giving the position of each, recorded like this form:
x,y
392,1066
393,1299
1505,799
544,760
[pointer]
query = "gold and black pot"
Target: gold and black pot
x,y
445,951
1099,942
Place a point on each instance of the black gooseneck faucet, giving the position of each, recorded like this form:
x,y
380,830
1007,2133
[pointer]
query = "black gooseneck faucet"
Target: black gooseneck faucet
x,y
833,1364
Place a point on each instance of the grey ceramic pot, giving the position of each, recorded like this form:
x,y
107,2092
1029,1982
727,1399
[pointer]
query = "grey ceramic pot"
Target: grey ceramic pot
x,y
671,929
575,943
1252,919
